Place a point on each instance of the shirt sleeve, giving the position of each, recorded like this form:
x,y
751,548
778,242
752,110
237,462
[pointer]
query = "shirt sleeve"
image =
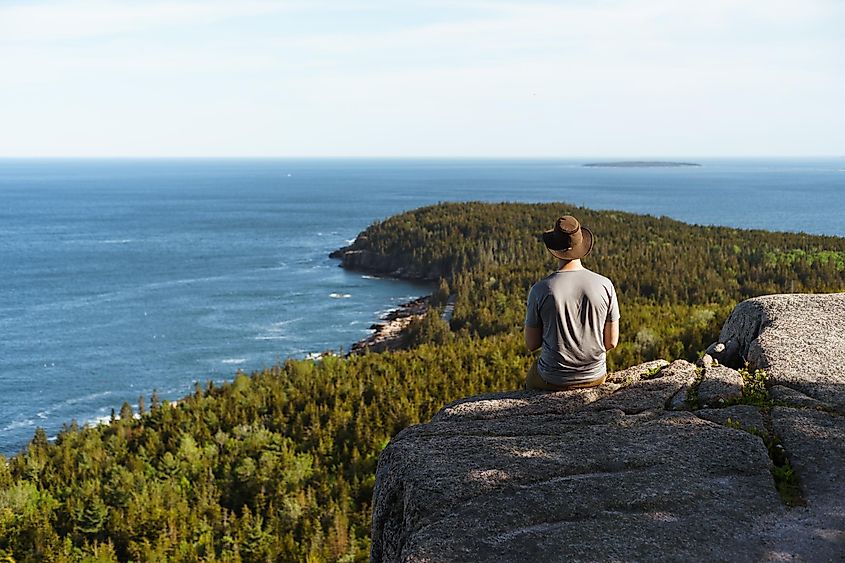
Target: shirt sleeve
x,y
532,313
613,310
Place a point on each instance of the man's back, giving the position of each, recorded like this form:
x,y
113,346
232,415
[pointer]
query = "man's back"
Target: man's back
x,y
572,307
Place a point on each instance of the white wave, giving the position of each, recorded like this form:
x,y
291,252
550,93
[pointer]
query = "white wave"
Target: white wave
x,y
279,324
369,277
16,424
47,413
340,295
90,397
97,421
350,240
233,361
116,241
270,337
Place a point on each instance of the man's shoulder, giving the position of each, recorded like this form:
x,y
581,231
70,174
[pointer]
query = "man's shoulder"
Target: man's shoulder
x,y
543,283
604,280
593,277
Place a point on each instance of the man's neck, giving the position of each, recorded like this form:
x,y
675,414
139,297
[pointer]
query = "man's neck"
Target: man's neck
x,y
570,265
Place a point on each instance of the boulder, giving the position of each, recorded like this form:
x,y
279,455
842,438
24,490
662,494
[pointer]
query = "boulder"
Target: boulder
x,y
719,385
619,472
726,353
793,398
592,474
815,444
705,361
798,339
653,394
745,417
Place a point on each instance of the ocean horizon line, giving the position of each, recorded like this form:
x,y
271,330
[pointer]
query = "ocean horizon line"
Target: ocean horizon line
x,y
634,158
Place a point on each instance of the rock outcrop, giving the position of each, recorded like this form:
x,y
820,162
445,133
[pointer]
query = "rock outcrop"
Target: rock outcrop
x,y
719,385
359,258
633,470
798,339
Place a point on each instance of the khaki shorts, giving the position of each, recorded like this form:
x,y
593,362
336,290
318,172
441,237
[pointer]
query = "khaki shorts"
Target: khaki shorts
x,y
534,381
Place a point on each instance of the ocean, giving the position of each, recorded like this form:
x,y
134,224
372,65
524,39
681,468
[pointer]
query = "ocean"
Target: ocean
x,y
125,276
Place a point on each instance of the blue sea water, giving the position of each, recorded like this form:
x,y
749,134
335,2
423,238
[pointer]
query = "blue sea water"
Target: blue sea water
x,y
124,276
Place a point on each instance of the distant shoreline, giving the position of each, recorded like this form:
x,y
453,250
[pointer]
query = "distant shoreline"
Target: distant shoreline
x,y
390,330
640,164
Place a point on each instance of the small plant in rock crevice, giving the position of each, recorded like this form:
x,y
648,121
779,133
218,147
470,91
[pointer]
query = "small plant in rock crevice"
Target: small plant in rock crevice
x,y
652,373
692,395
755,391
786,480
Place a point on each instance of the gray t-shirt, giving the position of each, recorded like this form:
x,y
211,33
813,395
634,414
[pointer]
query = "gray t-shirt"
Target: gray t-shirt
x,y
572,308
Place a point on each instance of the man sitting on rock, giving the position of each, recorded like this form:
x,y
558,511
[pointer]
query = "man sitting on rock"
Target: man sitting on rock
x,y
573,315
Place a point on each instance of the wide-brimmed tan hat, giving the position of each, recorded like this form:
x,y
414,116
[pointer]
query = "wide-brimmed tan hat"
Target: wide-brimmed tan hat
x,y
568,240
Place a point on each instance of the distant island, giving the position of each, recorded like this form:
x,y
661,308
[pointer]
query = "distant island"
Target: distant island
x,y
640,164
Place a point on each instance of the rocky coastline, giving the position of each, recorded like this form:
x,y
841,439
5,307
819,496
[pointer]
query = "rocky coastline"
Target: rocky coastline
x,y
389,332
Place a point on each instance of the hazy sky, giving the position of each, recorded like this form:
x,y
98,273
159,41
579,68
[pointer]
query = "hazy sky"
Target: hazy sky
x,y
422,78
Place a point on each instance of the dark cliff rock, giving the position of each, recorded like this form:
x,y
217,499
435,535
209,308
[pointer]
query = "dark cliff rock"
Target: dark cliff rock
x,y
615,473
357,257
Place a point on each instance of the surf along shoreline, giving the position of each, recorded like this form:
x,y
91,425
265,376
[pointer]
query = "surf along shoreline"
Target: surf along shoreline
x,y
389,331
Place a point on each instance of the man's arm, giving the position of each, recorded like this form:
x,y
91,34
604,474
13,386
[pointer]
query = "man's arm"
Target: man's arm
x,y
533,323
533,337
611,335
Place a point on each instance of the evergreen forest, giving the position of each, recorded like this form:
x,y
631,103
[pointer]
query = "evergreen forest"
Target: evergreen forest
x,y
279,465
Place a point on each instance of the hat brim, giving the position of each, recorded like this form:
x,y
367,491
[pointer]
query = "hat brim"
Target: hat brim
x,y
574,253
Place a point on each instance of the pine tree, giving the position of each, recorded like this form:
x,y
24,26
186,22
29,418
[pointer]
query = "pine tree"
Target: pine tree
x,y
126,412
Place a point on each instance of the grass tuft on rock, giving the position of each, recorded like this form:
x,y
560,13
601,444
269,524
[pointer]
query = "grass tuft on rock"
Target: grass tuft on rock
x,y
692,395
786,480
755,391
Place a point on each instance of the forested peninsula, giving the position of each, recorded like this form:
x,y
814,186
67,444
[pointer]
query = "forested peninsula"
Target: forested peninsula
x,y
640,164
279,465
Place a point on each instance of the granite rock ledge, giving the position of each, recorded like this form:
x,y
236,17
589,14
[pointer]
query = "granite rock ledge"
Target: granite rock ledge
x,y
632,470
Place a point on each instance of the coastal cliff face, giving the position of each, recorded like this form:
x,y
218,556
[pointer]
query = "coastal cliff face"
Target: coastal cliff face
x,y
663,462
359,258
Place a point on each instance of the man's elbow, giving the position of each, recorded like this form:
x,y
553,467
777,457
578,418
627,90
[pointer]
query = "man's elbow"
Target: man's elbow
x,y
611,335
533,338
533,345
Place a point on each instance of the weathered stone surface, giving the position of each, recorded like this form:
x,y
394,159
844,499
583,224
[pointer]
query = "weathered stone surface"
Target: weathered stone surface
x,y
719,385
536,403
614,474
574,475
679,400
798,339
795,398
746,416
726,353
815,444
650,395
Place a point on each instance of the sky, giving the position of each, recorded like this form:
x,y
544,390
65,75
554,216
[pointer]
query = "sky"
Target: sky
x,y
415,78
